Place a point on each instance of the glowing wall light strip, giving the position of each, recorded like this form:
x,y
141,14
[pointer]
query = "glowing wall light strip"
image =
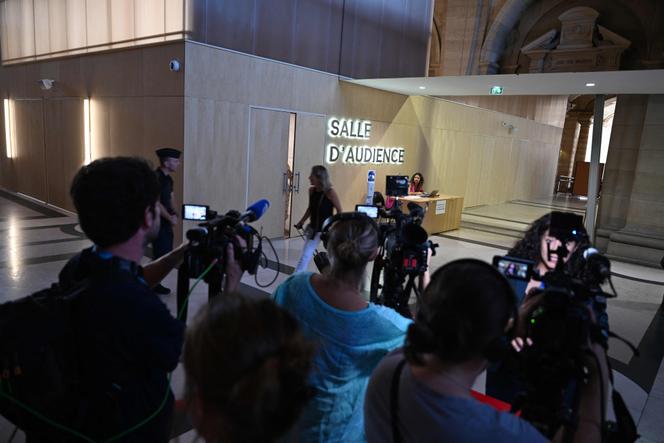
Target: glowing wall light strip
x,y
8,130
86,130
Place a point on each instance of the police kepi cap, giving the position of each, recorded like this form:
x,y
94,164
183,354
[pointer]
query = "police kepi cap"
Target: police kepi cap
x,y
168,153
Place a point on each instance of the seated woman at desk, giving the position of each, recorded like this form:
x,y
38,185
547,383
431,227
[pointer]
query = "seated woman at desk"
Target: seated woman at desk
x,y
416,186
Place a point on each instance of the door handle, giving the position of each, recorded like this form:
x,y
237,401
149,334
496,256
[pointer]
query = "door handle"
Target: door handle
x,y
297,187
284,186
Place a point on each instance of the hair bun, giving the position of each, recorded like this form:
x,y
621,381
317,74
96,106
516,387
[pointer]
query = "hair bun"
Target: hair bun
x,y
420,339
349,252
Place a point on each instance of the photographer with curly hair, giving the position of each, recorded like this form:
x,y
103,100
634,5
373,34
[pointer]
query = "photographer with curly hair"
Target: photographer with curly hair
x,y
423,392
246,364
352,334
539,245
537,242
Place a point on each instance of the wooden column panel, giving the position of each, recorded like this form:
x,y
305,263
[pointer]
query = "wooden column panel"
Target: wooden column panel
x,y
64,147
28,143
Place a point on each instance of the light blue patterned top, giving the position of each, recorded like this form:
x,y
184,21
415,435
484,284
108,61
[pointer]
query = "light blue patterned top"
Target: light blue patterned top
x,y
350,346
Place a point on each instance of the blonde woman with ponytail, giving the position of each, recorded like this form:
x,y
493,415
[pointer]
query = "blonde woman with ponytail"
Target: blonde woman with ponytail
x,y
352,334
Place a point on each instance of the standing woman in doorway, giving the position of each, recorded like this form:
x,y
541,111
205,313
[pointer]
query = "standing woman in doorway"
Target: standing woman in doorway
x,y
322,200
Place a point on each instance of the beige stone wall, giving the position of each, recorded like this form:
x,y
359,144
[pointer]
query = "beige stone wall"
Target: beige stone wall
x,y
460,149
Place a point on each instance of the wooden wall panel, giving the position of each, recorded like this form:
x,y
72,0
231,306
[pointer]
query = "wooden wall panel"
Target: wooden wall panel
x,y
136,106
65,147
549,110
29,154
98,25
216,140
39,29
461,150
378,38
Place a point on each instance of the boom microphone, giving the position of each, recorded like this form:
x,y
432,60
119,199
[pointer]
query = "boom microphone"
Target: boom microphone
x,y
255,211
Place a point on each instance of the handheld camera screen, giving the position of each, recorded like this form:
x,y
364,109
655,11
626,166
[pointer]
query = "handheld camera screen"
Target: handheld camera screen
x,y
195,212
518,272
396,185
370,210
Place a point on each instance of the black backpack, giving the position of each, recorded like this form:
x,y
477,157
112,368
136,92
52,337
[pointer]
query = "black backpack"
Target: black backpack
x,y
39,361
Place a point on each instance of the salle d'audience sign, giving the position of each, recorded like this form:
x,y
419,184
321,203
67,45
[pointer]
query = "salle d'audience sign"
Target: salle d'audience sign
x,y
358,154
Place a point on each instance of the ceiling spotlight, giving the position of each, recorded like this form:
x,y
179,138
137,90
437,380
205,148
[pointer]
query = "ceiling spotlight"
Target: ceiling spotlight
x,y
422,87
590,84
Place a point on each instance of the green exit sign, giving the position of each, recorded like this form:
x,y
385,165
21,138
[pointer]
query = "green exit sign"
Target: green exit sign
x,y
496,90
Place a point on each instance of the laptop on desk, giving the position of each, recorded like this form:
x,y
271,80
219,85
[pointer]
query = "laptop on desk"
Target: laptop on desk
x,y
431,194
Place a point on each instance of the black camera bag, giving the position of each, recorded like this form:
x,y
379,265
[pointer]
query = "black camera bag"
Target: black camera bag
x,y
38,358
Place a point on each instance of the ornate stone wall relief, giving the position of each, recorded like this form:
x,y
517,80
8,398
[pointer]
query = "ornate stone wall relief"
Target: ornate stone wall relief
x,y
580,45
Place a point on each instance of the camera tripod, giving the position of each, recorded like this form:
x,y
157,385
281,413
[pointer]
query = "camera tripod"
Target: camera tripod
x,y
394,294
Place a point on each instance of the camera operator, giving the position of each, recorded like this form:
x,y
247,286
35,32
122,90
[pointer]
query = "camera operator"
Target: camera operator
x,y
540,246
247,365
127,339
423,392
353,335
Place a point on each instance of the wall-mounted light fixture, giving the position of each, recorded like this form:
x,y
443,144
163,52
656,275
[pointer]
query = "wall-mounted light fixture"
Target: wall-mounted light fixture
x,y
86,130
8,129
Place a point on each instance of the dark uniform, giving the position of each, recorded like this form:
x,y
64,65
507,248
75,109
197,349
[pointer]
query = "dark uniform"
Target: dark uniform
x,y
163,244
128,342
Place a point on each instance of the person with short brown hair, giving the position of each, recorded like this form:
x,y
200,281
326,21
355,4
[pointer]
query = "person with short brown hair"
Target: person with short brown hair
x,y
246,364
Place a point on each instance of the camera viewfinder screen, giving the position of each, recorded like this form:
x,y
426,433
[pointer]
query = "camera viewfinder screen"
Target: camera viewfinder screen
x,y
371,211
511,269
194,212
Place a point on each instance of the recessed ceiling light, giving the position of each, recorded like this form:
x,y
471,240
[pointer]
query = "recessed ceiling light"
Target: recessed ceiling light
x,y
422,87
590,84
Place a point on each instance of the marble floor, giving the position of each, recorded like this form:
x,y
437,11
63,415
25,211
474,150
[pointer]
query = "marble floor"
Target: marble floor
x,y
36,241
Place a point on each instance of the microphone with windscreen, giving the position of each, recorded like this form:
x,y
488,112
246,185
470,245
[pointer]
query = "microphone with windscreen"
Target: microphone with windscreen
x,y
255,211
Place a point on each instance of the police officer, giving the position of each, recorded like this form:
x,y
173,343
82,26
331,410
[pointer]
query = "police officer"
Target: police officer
x,y
169,161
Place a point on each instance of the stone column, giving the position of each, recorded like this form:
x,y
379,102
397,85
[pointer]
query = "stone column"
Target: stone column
x,y
631,210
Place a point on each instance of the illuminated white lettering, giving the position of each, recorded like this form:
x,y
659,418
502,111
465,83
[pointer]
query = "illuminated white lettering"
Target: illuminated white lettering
x,y
343,132
379,154
333,153
333,127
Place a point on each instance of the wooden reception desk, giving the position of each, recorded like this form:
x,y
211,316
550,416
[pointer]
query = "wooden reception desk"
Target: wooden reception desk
x,y
443,213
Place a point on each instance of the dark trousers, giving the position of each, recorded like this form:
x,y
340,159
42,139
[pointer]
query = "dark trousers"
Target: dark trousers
x,y
163,244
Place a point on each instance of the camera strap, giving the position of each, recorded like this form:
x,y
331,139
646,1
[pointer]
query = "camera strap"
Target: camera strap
x,y
394,401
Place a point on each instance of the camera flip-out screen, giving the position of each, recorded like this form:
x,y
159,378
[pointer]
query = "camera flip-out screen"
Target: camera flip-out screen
x,y
370,210
195,212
